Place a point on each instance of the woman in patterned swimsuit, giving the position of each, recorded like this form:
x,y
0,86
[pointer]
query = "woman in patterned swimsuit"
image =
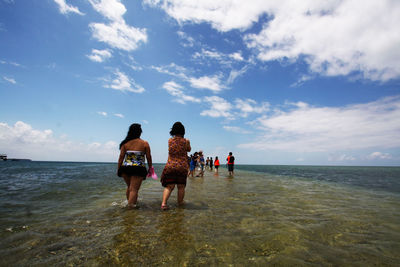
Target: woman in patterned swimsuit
x,y
176,169
131,162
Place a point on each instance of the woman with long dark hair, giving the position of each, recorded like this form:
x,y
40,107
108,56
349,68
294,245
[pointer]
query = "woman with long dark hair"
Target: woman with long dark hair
x,y
176,170
131,162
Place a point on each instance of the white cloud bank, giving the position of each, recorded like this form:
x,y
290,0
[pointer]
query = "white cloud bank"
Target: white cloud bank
x,y
326,129
116,33
333,37
65,8
22,141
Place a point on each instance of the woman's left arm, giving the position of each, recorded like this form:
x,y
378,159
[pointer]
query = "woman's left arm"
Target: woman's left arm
x,y
148,155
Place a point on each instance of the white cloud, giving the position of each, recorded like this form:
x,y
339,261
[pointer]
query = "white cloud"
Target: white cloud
x,y
111,9
213,54
176,90
236,129
223,15
10,80
241,109
212,83
301,80
102,113
219,107
225,59
131,62
308,129
21,140
379,155
119,115
11,63
145,121
236,56
173,70
117,33
188,41
123,83
65,8
234,74
333,37
247,106
99,55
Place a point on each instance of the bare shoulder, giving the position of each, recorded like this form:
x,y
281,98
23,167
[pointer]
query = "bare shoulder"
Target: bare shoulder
x,y
146,143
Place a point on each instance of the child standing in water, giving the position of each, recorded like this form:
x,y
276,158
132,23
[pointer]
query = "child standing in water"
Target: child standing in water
x,y
216,164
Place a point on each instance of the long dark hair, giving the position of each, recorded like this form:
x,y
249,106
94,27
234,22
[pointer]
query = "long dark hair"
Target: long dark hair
x,y
135,130
177,129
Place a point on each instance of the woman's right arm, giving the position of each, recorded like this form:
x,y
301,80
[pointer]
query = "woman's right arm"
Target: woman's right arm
x,y
121,156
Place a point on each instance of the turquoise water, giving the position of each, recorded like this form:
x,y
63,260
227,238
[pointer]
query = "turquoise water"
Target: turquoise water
x,y
54,213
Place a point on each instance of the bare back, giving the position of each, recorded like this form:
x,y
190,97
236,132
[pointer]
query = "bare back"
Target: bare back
x,y
136,145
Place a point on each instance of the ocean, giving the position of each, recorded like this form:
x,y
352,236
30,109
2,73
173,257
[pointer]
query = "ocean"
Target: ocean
x,y
63,213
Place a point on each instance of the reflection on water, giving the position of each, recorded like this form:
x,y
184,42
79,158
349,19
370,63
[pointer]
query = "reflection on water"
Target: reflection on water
x,y
253,218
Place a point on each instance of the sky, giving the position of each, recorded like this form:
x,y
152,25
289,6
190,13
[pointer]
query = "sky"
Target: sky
x,y
312,82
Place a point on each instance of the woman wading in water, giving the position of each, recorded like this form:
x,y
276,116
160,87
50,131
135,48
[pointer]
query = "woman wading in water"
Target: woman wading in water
x,y
131,162
176,170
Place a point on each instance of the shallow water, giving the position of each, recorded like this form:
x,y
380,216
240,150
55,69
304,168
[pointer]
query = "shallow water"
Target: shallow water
x,y
73,214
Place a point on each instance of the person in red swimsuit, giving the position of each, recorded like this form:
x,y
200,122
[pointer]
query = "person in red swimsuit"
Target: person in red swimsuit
x,y
216,165
231,162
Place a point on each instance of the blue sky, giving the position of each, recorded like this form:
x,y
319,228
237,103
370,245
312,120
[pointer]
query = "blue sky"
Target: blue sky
x,y
294,82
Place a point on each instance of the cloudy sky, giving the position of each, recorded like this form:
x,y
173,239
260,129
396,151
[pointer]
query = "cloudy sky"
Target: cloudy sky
x,y
275,82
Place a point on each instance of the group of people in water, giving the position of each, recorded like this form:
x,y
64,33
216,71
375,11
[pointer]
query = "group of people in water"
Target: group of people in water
x,y
196,160
134,151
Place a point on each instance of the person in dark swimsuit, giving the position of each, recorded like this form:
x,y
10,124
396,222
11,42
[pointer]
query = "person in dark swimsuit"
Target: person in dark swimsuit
x,y
131,162
231,162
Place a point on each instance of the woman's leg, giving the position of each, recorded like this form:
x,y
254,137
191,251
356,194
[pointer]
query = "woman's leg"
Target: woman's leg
x,y
134,187
127,180
181,193
167,192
